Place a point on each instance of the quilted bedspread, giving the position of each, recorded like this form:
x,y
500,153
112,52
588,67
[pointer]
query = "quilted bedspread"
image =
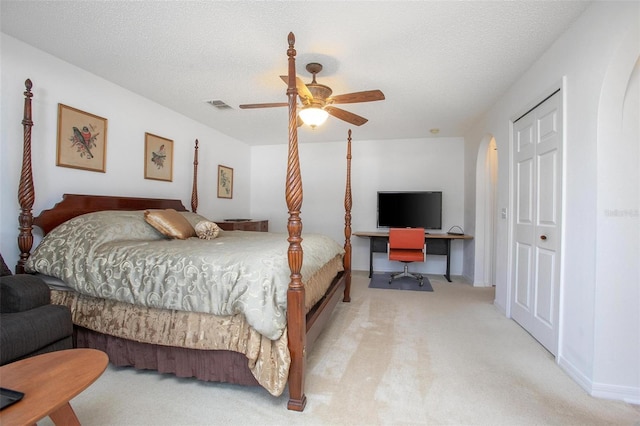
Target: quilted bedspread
x,y
118,256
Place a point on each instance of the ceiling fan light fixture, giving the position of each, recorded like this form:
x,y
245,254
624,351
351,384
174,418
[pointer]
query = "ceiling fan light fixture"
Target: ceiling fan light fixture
x,y
313,116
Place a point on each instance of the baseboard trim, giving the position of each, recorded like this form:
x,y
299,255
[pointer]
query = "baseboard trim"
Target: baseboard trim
x,y
628,394
576,375
500,308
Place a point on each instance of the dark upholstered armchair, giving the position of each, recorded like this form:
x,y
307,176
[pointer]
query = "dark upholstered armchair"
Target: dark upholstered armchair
x,y
29,323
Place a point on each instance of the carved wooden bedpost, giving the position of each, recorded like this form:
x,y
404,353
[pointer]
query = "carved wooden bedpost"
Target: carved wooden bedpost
x,y
347,225
297,328
194,190
26,193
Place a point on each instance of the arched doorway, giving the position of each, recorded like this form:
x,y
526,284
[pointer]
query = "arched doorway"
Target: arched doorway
x,y
486,212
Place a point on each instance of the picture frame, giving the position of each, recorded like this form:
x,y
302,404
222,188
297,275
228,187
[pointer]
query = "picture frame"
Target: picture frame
x,y
225,182
158,158
82,140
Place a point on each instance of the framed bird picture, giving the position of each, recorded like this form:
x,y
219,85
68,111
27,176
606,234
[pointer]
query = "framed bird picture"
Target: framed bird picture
x,y
225,182
82,140
158,158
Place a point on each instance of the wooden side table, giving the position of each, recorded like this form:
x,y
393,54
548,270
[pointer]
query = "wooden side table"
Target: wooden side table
x,y
49,381
243,225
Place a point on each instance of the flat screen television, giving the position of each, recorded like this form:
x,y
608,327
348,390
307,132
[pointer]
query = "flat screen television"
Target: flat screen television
x,y
410,209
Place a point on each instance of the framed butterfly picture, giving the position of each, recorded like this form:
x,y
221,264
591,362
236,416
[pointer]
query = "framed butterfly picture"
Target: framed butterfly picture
x,y
158,158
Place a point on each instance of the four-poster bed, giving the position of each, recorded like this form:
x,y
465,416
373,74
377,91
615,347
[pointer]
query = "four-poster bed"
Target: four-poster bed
x,y
182,353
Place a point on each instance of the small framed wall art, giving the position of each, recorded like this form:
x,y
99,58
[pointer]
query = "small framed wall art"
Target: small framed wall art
x,y
158,158
225,182
82,140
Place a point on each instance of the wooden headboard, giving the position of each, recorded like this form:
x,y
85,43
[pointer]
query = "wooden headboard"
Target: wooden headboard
x,y
73,205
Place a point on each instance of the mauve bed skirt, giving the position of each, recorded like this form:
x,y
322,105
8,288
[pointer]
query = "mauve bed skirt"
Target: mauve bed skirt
x,y
206,365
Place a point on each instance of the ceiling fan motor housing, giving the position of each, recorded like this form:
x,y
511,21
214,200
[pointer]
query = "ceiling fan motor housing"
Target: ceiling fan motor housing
x,y
320,92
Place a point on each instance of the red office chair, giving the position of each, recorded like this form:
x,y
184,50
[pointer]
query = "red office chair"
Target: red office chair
x,y
406,245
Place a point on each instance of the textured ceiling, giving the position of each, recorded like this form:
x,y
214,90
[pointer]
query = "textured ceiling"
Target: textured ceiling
x,y
441,64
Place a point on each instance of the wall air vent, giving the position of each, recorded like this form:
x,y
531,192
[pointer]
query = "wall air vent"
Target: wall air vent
x,y
218,104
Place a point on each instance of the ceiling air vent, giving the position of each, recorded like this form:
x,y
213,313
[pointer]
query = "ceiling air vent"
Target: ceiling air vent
x,y
218,104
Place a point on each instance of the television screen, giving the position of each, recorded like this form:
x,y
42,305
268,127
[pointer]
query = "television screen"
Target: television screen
x,y
410,209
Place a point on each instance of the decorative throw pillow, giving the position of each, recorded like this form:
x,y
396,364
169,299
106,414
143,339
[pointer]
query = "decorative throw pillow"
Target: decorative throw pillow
x,y
194,218
170,223
207,230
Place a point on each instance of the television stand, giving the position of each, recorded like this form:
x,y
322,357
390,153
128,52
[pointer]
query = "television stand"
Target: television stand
x,y
438,244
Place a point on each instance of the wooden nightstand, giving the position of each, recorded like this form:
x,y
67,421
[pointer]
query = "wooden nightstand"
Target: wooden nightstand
x,y
243,225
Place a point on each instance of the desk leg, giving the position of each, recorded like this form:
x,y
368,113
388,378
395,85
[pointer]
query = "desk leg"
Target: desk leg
x,y
371,256
448,274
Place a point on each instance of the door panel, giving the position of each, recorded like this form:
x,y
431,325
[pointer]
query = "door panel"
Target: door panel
x,y
523,277
547,185
544,295
547,124
524,180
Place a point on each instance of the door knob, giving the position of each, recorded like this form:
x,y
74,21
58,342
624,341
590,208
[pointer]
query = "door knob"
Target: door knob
x,y
543,237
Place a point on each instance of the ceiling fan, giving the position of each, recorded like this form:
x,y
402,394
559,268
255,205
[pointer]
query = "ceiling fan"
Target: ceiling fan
x,y
316,99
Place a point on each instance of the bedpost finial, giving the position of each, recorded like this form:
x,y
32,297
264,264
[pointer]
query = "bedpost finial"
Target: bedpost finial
x,y
291,51
28,85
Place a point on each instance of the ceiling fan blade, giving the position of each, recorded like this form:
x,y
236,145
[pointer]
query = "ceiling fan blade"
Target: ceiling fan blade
x,y
303,91
347,116
352,98
270,105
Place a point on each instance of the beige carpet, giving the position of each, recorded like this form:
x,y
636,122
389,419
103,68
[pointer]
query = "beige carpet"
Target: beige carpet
x,y
447,357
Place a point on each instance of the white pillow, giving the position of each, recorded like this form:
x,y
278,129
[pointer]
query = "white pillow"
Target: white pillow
x,y
207,230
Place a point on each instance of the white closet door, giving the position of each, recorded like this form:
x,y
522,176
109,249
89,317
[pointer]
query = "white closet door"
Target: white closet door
x,y
537,221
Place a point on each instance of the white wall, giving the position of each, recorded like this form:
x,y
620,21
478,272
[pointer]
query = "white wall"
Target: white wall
x,y
381,165
617,310
582,56
129,117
